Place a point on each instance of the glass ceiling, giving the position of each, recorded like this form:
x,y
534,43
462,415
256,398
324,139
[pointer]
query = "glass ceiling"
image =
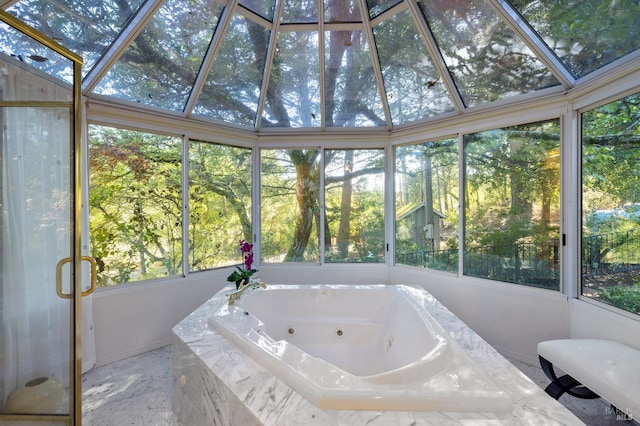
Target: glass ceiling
x,y
326,64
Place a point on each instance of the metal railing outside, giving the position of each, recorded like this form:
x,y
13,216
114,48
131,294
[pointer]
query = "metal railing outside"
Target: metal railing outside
x,y
534,264
610,252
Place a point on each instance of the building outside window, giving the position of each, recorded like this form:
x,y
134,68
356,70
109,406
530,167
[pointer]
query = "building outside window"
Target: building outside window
x,y
426,197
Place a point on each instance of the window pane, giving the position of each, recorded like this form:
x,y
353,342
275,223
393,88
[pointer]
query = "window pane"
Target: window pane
x,y
611,204
297,11
293,96
290,205
486,58
219,204
512,212
351,98
160,66
135,202
85,26
413,86
22,53
376,7
261,7
585,34
426,181
354,200
232,88
341,11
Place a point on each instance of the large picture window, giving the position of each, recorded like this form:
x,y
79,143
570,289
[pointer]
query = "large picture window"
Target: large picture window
x,y
611,204
354,205
219,204
290,207
135,204
426,197
512,204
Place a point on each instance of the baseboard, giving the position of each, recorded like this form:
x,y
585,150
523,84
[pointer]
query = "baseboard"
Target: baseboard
x,y
518,356
101,361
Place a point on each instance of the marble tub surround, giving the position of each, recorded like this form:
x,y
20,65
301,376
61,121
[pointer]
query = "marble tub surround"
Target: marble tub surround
x,y
215,382
358,347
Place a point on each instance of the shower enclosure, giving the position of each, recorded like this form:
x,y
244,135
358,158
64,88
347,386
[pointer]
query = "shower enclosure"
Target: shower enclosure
x,y
40,257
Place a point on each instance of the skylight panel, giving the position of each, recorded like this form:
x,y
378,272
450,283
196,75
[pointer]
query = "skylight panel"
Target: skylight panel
x,y
299,11
376,7
264,8
20,53
352,98
342,11
293,94
231,92
86,27
585,34
413,86
161,64
487,60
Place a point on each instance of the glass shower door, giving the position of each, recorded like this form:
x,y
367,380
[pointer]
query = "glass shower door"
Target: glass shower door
x,y
39,250
36,233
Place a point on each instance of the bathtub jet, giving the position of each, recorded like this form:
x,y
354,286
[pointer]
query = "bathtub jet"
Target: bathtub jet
x,y
345,347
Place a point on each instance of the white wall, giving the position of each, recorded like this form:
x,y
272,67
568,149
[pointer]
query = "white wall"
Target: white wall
x,y
336,273
590,320
135,318
512,318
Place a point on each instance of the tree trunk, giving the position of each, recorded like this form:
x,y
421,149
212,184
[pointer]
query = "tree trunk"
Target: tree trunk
x,y
307,198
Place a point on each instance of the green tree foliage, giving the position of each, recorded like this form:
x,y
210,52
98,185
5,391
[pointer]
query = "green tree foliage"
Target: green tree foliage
x,y
585,34
290,205
427,204
623,297
610,202
611,153
512,203
219,203
135,199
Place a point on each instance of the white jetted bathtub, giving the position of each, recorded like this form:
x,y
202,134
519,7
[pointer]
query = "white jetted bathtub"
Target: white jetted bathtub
x,y
358,348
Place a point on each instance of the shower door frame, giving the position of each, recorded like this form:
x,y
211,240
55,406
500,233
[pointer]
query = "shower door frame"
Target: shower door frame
x,y
74,415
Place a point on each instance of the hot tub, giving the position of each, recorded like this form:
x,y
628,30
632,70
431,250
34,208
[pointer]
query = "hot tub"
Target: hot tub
x,y
358,348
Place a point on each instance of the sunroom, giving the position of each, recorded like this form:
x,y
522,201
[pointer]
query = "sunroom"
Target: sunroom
x,y
486,151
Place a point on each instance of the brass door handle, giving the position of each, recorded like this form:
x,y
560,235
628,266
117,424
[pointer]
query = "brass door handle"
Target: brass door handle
x,y
94,270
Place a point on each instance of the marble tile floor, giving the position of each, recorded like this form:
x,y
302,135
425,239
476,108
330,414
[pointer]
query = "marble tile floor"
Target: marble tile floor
x,y
137,391
134,391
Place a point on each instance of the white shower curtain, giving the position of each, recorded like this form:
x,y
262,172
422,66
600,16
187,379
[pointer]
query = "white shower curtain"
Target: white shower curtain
x,y
36,234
